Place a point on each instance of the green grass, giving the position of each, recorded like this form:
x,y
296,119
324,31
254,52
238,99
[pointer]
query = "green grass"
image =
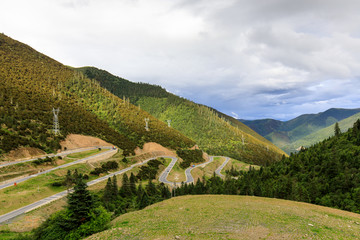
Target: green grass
x,y
39,187
208,170
238,165
27,168
85,154
36,188
233,217
177,174
9,235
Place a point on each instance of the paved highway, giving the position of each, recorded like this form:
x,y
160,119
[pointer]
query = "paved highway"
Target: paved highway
x,y
218,170
162,178
165,173
189,177
52,169
63,153
47,200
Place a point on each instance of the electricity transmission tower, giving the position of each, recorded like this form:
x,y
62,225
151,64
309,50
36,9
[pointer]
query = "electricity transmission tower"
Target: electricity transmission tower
x,y
168,121
147,124
56,126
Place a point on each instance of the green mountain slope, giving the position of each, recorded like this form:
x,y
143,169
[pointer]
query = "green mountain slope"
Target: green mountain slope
x,y
31,84
214,132
285,134
234,217
322,134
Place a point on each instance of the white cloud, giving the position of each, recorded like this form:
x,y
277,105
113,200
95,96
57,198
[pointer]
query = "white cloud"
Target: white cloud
x,y
264,58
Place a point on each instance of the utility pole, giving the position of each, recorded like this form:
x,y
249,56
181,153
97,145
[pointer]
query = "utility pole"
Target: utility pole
x,y
168,122
147,124
56,126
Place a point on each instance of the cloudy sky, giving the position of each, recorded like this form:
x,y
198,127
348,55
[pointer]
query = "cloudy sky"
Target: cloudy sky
x,y
249,59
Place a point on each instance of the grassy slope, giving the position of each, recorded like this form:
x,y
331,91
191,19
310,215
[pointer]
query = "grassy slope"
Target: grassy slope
x,y
321,134
32,84
213,131
233,217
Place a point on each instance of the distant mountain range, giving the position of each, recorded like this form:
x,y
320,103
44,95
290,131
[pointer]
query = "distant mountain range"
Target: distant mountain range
x,y
304,130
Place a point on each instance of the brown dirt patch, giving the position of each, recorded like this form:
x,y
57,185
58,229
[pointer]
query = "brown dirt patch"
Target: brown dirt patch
x,y
154,147
74,141
23,152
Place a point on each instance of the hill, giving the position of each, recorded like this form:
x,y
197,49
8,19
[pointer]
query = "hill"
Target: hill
x,y
284,133
214,132
32,84
234,217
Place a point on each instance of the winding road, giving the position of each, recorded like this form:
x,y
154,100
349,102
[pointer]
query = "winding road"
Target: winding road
x,y
162,178
63,153
58,167
189,177
56,196
165,173
218,170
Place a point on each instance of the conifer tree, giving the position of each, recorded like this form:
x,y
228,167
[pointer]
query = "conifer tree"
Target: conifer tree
x,y
125,188
133,184
108,192
68,180
165,192
80,202
144,201
337,130
115,189
151,188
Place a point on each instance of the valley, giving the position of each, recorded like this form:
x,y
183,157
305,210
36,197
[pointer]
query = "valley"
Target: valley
x,y
121,153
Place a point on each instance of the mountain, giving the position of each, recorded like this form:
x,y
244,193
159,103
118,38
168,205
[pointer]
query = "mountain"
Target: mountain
x,y
322,134
285,133
32,84
214,132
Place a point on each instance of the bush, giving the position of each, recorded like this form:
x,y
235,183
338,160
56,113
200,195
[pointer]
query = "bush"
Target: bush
x,y
105,167
189,156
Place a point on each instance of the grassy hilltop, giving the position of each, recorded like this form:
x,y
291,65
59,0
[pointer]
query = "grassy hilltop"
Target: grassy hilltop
x,y
233,217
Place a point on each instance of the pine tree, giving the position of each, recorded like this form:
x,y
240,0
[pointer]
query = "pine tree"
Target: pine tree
x,y
108,192
144,201
125,188
165,192
151,189
133,184
337,130
115,189
80,202
68,180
